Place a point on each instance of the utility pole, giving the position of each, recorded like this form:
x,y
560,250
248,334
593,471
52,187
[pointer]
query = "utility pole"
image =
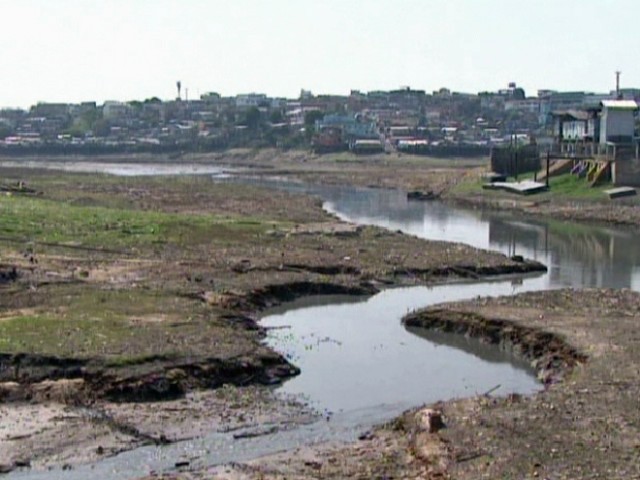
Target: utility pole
x,y
618,95
515,158
547,177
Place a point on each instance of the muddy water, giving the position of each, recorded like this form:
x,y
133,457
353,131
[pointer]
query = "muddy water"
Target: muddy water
x,y
357,356
360,366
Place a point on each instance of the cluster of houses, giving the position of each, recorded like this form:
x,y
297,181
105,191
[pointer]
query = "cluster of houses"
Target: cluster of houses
x,y
598,142
441,122
608,128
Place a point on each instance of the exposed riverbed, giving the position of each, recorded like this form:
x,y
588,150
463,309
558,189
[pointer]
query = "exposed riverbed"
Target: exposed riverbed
x,y
577,254
401,370
327,344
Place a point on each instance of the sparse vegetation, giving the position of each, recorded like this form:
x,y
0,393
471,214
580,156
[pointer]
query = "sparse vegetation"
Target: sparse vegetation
x,y
122,267
160,303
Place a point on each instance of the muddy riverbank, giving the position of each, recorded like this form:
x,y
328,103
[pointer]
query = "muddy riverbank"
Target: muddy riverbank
x,y
192,279
456,180
585,424
149,288
622,212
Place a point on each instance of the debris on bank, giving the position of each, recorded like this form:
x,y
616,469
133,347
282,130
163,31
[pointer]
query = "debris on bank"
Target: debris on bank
x,y
525,187
492,177
419,195
18,188
620,192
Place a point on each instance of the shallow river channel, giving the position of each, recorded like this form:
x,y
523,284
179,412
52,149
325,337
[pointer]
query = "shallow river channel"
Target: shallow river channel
x,y
357,355
359,365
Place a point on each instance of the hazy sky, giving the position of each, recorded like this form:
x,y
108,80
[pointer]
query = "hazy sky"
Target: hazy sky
x,y
76,50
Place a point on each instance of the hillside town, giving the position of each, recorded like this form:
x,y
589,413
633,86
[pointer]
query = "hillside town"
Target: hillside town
x,y
438,123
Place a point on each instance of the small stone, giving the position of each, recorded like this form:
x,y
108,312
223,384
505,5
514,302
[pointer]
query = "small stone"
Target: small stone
x,y
430,420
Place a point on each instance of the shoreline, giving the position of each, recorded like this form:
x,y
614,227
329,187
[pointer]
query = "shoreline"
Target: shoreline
x,y
432,454
147,281
438,176
582,424
113,416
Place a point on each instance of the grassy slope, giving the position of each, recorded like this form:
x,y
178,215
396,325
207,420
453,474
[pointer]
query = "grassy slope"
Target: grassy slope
x,y
565,187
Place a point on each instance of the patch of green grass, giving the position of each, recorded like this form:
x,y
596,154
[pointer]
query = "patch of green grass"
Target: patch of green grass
x,y
468,186
124,325
52,334
566,186
571,186
129,361
46,221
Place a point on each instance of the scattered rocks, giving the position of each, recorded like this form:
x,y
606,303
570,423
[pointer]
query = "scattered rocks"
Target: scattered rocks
x,y
8,273
429,420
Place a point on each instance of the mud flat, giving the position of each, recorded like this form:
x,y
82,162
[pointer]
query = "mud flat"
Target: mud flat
x,y
456,180
585,424
118,292
187,267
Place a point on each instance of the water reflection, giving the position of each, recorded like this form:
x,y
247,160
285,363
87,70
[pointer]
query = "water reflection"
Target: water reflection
x,y
482,350
357,355
578,255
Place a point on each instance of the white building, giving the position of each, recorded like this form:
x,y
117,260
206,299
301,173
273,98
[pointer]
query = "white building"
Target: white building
x,y
529,105
249,100
617,121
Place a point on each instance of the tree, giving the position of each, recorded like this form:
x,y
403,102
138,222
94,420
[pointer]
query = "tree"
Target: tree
x,y
311,117
84,123
276,117
5,131
310,122
252,118
101,128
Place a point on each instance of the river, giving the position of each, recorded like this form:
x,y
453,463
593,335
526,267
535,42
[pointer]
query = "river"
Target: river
x,y
358,355
359,365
